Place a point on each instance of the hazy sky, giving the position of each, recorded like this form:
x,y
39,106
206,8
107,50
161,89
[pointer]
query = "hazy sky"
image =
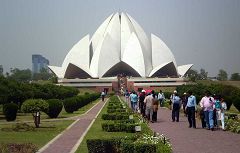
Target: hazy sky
x,y
205,33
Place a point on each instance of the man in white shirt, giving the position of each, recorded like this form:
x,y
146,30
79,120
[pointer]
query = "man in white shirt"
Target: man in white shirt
x,y
161,98
148,101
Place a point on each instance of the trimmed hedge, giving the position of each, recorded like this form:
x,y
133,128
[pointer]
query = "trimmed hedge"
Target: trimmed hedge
x,y
229,93
123,145
70,104
10,111
55,107
74,103
115,116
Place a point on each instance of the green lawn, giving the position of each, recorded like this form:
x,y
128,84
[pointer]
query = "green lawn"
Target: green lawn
x,y
97,132
23,117
39,137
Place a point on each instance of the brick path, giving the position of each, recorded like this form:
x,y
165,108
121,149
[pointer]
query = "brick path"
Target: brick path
x,y
189,140
69,138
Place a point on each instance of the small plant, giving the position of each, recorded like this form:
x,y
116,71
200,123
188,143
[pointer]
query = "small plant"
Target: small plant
x,y
10,111
18,148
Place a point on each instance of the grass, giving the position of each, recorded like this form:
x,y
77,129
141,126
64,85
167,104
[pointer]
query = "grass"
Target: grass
x,y
23,117
82,91
39,137
97,132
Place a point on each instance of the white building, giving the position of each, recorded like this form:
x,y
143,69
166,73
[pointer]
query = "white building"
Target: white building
x,y
119,46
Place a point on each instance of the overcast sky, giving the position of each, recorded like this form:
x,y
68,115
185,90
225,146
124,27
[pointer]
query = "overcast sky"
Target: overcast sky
x,y
205,33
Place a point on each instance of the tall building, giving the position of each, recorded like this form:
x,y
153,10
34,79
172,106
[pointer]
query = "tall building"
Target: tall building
x,y
39,62
1,70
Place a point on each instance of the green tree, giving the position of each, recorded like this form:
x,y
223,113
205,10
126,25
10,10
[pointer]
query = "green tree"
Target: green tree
x,y
193,75
43,75
222,75
20,75
235,77
35,106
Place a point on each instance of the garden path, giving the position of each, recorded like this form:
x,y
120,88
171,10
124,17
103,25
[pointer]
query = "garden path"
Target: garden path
x,y
189,140
69,140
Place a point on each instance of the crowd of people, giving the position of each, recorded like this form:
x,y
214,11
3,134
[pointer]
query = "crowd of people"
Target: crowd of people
x,y
211,108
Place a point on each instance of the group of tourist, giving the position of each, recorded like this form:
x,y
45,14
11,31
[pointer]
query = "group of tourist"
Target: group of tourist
x,y
146,103
211,112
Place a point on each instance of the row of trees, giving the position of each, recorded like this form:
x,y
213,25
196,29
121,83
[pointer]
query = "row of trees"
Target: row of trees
x,y
203,75
26,75
17,92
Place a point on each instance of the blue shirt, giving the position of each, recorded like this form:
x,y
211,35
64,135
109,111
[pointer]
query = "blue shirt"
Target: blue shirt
x,y
191,101
134,98
176,100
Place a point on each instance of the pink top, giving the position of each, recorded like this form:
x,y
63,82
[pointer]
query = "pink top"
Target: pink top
x,y
207,103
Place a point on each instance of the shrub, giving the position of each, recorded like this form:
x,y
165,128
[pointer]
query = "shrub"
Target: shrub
x,y
70,104
236,103
10,111
233,125
54,108
18,148
115,116
103,145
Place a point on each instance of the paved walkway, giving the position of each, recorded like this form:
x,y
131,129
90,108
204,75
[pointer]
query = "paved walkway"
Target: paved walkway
x,y
68,141
189,140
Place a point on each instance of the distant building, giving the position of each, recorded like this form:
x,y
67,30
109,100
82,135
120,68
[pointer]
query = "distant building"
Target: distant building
x,y
39,62
1,70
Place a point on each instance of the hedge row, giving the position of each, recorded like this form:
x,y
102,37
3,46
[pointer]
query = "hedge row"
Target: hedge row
x,y
119,145
231,94
119,122
74,103
18,92
119,127
115,116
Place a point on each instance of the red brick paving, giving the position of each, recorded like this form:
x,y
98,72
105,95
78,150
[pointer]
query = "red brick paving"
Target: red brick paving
x,y
69,138
189,140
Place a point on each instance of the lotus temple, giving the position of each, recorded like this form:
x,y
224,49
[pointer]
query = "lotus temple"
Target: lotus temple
x,y
120,55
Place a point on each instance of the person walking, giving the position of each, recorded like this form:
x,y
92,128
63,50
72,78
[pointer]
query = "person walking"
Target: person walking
x,y
191,109
171,99
134,100
141,102
184,102
103,95
206,104
223,109
217,106
176,108
155,106
149,106
161,98
127,96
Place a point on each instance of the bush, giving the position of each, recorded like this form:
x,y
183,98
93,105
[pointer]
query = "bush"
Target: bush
x,y
236,103
70,104
54,108
103,145
10,111
18,148
115,116
233,125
